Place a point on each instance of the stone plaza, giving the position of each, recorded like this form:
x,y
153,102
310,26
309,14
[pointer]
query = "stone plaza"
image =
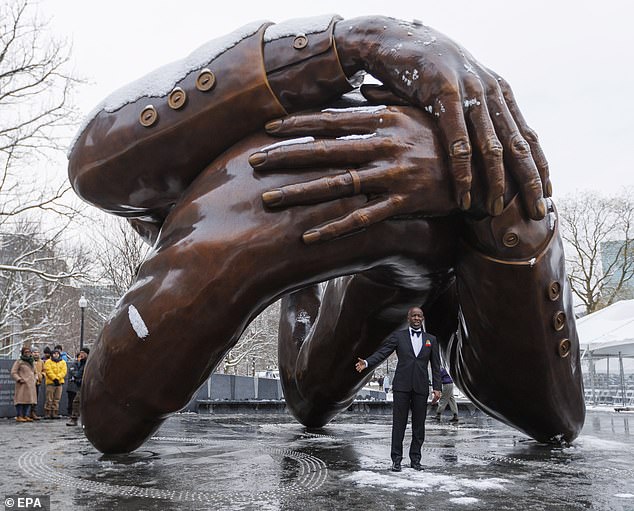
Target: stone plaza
x,y
267,461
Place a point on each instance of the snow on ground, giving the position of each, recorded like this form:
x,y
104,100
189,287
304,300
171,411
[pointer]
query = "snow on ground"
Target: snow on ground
x,y
594,443
423,481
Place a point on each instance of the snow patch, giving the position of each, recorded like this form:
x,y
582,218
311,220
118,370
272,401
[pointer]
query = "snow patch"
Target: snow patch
x,y
356,137
297,26
410,76
424,482
303,317
559,439
291,141
464,500
137,322
360,109
592,443
471,102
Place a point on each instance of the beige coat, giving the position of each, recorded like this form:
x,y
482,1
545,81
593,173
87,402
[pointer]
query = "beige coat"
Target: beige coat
x,y
24,375
38,365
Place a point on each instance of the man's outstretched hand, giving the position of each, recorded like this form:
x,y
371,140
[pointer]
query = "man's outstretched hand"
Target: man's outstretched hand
x,y
360,365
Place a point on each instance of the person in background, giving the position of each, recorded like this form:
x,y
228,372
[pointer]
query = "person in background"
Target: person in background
x,y
71,387
24,375
55,372
38,365
46,353
64,356
77,378
447,397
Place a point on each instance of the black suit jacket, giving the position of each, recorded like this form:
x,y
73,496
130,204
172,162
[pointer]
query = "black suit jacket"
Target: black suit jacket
x,y
411,370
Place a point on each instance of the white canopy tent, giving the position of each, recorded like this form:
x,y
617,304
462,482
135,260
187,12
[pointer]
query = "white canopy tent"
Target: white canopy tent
x,y
609,333
624,348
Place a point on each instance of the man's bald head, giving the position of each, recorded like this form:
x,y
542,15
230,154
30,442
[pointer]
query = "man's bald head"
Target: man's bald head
x,y
415,317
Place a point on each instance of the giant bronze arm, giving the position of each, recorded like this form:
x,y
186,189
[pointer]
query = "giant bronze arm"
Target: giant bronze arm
x,y
516,352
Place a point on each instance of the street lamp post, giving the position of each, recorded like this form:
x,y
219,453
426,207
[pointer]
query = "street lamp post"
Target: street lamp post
x,y
83,303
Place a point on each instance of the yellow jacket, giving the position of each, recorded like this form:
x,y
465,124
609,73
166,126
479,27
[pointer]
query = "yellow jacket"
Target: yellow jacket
x,y
54,370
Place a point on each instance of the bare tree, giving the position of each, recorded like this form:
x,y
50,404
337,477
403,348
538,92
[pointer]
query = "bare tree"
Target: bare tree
x,y
257,347
34,119
600,251
36,115
36,286
119,251
37,268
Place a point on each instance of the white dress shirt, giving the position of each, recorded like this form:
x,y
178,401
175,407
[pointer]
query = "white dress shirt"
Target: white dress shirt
x,y
417,340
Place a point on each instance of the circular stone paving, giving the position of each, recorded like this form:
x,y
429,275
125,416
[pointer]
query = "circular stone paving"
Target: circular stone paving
x,y
217,472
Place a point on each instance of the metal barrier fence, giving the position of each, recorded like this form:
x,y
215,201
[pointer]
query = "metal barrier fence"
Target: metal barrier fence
x,y
609,389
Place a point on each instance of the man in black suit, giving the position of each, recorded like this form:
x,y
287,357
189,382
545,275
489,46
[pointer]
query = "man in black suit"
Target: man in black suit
x,y
415,349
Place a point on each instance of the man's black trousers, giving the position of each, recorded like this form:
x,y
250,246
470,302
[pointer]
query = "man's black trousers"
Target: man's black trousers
x,y
403,403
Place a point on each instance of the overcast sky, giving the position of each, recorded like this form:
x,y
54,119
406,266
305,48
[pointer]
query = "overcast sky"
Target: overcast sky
x,y
570,63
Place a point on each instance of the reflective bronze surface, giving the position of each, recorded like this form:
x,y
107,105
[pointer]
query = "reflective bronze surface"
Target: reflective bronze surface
x,y
229,240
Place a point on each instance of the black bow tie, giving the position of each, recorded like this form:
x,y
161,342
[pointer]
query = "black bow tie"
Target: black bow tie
x,y
416,332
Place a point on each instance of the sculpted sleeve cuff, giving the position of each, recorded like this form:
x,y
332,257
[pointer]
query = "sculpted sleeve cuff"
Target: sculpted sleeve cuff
x,y
302,64
511,235
143,145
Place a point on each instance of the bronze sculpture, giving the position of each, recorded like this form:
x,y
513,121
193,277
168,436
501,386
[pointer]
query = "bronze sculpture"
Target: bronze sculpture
x,y
160,162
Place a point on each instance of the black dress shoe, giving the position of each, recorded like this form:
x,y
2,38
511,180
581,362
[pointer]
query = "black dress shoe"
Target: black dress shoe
x,y
417,466
396,467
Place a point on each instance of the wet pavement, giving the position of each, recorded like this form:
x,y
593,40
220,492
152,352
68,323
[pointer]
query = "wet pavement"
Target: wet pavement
x,y
269,462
